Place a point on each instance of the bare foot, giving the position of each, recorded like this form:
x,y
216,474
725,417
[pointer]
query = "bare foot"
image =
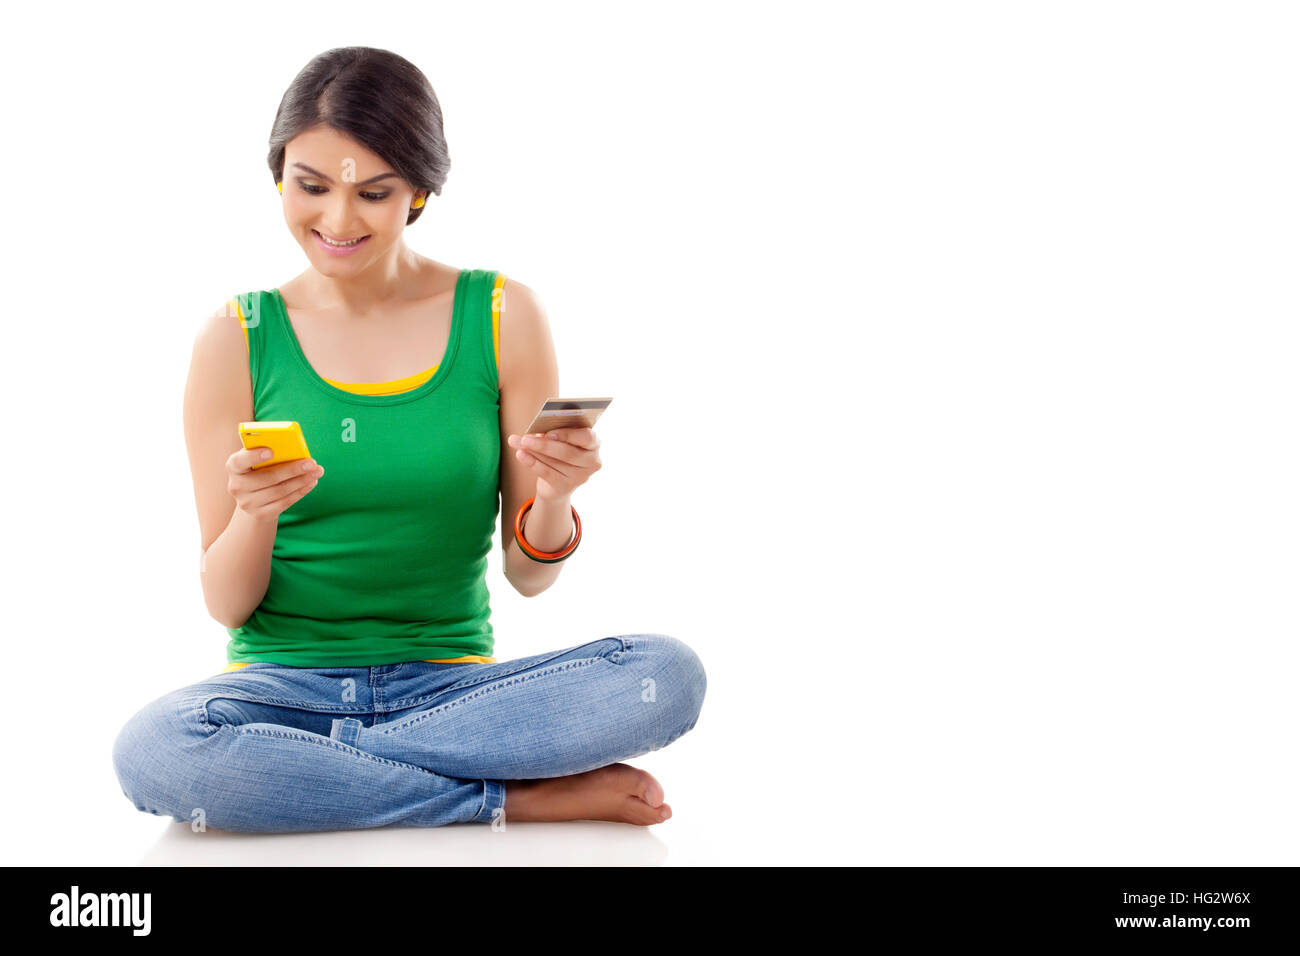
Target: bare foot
x,y
618,793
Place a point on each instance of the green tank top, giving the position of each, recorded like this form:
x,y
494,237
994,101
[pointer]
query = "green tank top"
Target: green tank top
x,y
385,560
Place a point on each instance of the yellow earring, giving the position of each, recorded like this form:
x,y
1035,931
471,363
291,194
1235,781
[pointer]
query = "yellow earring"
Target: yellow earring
x,y
280,186
418,203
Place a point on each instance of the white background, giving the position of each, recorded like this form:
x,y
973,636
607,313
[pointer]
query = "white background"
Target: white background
x,y
952,348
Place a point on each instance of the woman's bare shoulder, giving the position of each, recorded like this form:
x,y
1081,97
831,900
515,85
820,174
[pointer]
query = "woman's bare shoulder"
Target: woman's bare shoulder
x,y
436,278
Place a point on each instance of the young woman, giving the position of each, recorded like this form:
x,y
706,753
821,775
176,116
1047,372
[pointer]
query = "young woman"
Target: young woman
x,y
361,690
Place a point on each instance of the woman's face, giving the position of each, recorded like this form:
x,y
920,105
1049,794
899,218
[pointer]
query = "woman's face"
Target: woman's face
x,y
336,189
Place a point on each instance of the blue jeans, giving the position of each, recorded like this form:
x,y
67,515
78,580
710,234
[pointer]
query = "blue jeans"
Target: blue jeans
x,y
277,749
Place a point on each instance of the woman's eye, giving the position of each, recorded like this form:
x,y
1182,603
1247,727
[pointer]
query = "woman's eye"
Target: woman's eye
x,y
369,197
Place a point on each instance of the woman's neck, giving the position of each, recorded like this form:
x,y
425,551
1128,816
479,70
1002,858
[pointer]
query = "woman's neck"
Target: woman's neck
x,y
396,278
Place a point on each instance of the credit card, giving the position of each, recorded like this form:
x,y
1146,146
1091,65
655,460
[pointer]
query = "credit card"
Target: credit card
x,y
567,413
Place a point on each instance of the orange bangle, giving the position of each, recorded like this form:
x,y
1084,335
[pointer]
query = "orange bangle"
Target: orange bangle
x,y
546,557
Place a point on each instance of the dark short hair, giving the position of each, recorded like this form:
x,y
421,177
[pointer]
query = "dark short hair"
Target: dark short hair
x,y
377,98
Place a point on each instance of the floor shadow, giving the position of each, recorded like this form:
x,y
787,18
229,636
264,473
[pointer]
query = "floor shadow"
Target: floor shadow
x,y
577,843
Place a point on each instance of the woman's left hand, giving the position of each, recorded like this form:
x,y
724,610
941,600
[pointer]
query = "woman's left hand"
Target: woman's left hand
x,y
562,462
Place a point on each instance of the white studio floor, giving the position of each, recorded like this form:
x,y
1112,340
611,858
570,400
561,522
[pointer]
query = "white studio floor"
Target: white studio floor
x,y
578,844
134,838
163,842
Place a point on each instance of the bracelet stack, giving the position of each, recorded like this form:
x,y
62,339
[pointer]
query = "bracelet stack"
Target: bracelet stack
x,y
546,557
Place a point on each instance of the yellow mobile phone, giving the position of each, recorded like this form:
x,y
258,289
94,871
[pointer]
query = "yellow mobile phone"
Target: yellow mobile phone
x,y
283,438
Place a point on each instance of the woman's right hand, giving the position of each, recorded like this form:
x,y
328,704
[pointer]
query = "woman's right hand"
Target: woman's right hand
x,y
263,493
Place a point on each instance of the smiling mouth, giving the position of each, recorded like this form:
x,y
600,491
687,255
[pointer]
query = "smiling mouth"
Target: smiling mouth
x,y
342,243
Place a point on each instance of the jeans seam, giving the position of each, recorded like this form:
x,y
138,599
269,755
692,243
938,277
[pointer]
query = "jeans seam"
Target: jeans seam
x,y
405,703
490,785
339,709
489,688
203,716
325,742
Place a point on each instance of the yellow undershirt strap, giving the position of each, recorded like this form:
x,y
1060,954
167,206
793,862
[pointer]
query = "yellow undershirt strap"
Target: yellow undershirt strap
x,y
497,293
468,659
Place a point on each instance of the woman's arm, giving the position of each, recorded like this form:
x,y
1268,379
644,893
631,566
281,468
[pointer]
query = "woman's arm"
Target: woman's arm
x,y
235,555
528,376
